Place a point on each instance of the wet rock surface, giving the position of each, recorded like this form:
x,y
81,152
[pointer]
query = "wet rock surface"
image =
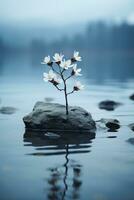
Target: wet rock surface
x,y
108,105
7,110
52,117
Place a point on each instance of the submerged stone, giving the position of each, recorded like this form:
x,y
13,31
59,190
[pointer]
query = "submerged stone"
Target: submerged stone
x,y
109,105
7,110
131,140
112,136
131,126
132,97
51,117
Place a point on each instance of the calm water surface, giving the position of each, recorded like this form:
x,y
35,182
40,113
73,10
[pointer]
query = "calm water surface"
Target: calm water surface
x,y
37,169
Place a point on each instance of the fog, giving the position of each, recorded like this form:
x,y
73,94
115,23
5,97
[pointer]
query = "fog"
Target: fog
x,y
61,12
101,30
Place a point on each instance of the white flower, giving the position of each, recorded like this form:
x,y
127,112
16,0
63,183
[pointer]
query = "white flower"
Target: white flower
x,y
57,80
65,64
52,77
78,86
58,57
76,56
49,76
76,71
46,60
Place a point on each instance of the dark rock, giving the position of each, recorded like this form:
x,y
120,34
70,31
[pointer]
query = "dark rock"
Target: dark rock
x,y
132,97
52,117
112,136
112,130
112,124
7,110
109,105
131,126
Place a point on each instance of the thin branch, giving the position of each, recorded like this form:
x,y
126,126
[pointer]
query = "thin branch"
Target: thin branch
x,y
71,92
62,71
58,88
65,87
55,70
68,77
61,74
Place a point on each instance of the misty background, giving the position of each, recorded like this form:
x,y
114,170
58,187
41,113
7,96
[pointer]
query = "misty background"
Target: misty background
x,y
102,31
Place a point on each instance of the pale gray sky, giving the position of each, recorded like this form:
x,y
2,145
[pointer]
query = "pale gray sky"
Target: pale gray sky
x,y
65,11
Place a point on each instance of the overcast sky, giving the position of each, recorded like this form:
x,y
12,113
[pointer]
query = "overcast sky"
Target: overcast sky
x,y
65,11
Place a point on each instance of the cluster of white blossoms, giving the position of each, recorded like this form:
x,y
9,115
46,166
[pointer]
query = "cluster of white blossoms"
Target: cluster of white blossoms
x,y
57,77
52,77
65,64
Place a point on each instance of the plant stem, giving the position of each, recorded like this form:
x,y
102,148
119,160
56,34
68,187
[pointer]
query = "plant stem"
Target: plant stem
x,y
65,92
65,88
68,77
58,88
55,71
70,92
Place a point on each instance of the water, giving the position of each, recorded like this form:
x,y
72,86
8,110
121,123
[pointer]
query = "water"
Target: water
x,y
37,169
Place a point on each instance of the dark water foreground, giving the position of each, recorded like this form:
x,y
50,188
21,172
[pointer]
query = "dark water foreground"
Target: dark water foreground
x,y
50,168
47,167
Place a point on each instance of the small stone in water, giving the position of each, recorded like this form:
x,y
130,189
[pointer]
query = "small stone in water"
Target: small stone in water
x,y
7,110
131,126
108,105
113,125
112,136
132,97
131,140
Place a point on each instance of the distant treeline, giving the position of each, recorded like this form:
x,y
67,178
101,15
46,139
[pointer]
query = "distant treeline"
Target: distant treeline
x,y
97,36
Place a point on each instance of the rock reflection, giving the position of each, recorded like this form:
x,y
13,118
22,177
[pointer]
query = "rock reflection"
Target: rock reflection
x,y
65,180
76,143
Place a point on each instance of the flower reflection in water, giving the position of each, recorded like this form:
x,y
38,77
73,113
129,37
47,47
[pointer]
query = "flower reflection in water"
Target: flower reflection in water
x,y
65,180
61,184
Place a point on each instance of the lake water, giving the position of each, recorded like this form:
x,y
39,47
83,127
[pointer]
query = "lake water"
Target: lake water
x,y
38,169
